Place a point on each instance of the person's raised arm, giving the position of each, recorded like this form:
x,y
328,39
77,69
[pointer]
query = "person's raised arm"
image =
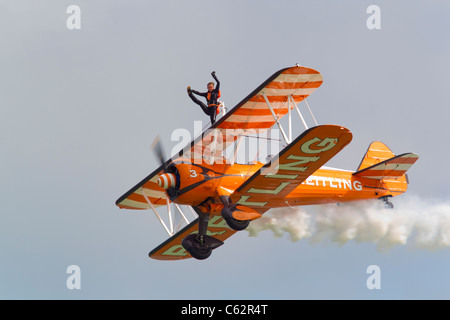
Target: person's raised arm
x,y
217,80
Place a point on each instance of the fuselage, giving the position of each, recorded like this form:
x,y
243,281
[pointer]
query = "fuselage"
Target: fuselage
x,y
201,182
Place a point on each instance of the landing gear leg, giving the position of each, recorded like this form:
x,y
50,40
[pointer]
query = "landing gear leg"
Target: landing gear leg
x,y
387,203
227,214
200,245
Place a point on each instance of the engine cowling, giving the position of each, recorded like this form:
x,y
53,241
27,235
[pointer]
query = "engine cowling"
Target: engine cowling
x,y
186,183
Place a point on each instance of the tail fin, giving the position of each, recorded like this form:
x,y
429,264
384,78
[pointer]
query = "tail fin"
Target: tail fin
x,y
376,153
381,164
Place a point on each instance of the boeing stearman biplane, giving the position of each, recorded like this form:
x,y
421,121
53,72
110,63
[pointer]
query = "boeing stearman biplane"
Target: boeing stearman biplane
x,y
225,196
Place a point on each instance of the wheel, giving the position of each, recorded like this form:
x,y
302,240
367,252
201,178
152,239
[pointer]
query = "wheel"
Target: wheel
x,y
237,224
199,253
388,205
192,244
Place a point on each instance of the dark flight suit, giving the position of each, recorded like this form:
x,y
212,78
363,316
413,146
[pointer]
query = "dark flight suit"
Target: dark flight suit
x,y
211,99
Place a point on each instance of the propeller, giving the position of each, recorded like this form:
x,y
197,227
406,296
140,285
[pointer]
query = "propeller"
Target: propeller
x,y
157,148
165,180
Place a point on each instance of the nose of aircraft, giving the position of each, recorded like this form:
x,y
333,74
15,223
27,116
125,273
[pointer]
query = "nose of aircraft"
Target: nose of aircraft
x,y
166,180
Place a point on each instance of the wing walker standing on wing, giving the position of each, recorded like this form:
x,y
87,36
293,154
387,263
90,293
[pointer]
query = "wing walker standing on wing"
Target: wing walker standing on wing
x,y
225,196
212,96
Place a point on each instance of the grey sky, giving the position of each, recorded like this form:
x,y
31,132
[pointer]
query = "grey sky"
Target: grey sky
x,y
80,109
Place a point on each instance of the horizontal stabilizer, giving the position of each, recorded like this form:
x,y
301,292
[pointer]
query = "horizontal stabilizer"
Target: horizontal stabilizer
x,y
392,168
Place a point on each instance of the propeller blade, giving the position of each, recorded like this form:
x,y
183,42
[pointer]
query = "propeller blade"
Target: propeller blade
x,y
157,148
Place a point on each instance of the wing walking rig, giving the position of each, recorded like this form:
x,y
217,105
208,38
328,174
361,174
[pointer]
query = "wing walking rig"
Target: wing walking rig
x,y
224,196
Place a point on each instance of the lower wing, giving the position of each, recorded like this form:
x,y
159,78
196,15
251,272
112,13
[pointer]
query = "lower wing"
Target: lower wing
x,y
294,164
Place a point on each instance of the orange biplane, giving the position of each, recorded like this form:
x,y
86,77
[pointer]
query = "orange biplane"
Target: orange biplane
x,y
225,196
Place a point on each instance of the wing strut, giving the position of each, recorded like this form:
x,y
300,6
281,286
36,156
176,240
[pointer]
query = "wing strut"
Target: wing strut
x,y
290,99
298,111
289,119
236,149
312,115
276,119
193,212
169,213
181,212
170,229
156,213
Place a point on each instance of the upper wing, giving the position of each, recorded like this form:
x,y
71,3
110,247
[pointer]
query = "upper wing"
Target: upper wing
x,y
258,111
274,181
295,83
279,93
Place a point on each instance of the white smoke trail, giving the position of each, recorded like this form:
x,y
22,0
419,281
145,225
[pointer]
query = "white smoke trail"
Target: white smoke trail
x,y
423,223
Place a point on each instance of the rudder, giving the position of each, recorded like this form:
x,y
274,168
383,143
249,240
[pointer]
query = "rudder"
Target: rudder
x,y
376,153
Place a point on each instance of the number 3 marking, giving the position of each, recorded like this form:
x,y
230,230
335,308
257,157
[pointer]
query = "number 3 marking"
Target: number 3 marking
x,y
193,173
